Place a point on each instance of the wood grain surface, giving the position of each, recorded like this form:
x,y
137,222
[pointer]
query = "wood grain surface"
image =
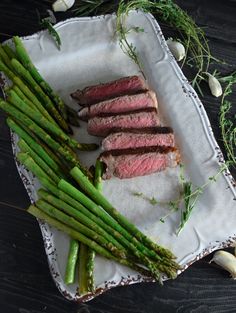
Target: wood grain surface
x,y
26,285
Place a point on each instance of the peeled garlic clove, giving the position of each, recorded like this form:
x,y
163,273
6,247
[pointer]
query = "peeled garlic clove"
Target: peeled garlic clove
x,y
176,48
62,5
227,261
214,85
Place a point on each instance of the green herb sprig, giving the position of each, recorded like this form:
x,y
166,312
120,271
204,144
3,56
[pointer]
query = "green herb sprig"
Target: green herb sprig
x,y
227,125
51,30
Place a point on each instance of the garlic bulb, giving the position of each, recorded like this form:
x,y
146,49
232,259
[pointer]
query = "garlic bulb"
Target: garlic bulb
x,y
214,85
227,261
62,5
176,48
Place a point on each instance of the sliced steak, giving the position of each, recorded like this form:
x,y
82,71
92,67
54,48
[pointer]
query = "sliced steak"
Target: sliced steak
x,y
126,140
120,105
130,163
102,126
101,92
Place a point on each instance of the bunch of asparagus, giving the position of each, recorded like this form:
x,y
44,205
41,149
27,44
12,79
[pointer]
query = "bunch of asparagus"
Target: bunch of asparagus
x,y
40,118
83,213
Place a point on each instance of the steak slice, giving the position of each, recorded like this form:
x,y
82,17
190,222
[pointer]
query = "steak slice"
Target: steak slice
x,y
120,105
116,88
124,140
102,126
130,163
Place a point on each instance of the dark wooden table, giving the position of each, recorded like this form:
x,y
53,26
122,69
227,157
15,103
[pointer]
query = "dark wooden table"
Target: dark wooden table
x,y
25,282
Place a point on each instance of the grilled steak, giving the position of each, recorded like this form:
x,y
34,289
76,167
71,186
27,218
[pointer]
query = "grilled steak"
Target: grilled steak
x,y
122,86
124,140
102,126
130,163
120,105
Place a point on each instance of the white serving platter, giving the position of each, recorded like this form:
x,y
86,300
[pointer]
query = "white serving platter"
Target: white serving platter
x,y
91,54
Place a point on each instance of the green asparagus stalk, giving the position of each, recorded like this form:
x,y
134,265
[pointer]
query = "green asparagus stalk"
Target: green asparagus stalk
x,y
90,269
83,277
38,106
79,216
35,156
6,70
80,208
18,115
91,205
98,175
72,116
22,72
8,50
33,210
28,64
132,243
86,185
45,153
30,164
91,253
71,222
27,92
40,119
71,262
5,58
22,96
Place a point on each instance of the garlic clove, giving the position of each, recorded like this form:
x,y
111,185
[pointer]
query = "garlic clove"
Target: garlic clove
x,y
227,261
214,85
176,48
62,5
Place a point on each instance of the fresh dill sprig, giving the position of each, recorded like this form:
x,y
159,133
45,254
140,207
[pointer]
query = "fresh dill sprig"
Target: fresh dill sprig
x,y
228,126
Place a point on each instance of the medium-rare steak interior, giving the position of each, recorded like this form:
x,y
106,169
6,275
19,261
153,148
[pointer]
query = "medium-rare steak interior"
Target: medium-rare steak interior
x,y
123,86
125,112
138,162
102,126
127,103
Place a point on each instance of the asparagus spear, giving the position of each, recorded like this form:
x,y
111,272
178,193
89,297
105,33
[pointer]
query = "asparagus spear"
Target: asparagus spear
x,y
91,253
79,216
22,96
27,92
25,148
8,50
87,241
25,159
83,279
71,222
38,146
71,262
5,58
86,185
93,207
98,175
22,72
37,105
138,249
26,61
40,119
18,115
90,269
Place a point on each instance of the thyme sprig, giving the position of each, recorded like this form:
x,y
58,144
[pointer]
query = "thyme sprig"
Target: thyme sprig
x,y
227,125
151,200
